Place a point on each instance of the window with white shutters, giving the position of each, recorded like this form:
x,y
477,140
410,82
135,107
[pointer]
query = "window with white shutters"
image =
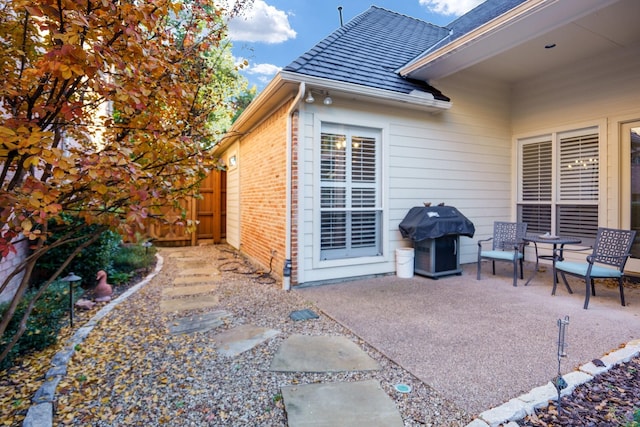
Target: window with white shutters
x,y
559,183
536,185
350,207
578,182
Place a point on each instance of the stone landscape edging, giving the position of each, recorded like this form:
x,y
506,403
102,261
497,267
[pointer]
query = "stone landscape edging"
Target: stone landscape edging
x,y
40,413
518,408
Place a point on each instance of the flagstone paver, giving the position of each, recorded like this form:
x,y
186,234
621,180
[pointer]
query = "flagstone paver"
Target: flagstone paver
x,y
304,353
361,403
181,291
189,303
191,280
242,338
199,323
201,271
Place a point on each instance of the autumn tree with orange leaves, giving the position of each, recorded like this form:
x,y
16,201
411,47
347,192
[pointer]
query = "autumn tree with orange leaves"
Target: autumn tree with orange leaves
x,y
108,110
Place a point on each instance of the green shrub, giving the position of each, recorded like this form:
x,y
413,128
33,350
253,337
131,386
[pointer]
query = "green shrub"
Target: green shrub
x,y
95,257
51,311
132,257
44,323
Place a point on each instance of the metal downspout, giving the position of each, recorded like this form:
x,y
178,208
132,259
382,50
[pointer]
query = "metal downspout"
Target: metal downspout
x,y
286,277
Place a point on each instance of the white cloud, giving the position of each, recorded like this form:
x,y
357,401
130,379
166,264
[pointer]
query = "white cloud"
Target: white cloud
x,y
450,7
263,69
261,22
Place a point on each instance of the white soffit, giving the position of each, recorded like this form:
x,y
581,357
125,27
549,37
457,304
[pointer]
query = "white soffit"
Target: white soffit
x,y
527,21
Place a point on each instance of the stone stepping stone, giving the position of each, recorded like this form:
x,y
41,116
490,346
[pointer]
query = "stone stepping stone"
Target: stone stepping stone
x,y
303,353
187,258
181,254
191,280
196,263
199,323
202,271
242,338
361,403
189,303
183,291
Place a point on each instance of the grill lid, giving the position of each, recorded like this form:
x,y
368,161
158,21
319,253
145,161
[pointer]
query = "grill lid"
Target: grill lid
x,y
435,221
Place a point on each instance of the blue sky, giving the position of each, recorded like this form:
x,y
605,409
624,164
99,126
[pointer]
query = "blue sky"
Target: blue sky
x,y
272,33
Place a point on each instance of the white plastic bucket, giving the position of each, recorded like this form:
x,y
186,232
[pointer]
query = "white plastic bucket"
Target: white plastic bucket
x,y
404,262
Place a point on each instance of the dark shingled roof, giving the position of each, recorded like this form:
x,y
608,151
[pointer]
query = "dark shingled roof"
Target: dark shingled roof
x,y
479,15
369,49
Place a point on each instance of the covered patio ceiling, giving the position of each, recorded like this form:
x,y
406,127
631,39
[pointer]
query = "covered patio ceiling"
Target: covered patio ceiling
x,y
521,48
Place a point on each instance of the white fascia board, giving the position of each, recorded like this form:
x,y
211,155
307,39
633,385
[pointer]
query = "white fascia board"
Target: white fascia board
x,y
416,99
522,23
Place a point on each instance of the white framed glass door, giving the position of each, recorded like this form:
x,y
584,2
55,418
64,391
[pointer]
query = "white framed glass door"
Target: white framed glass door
x,y
630,200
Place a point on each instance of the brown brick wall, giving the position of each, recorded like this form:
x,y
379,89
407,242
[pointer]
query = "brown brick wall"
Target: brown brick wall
x,y
262,192
294,197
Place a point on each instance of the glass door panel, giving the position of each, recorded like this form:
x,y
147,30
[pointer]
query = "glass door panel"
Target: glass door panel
x,y
634,137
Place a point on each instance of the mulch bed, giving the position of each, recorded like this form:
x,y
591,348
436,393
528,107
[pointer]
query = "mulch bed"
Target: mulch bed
x,y
610,399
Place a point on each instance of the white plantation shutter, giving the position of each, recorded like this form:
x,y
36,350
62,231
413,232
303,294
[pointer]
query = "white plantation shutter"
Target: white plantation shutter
x,y
536,185
537,172
578,192
579,167
349,193
575,203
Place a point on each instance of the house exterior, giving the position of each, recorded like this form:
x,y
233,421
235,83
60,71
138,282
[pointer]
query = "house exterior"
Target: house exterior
x,y
518,110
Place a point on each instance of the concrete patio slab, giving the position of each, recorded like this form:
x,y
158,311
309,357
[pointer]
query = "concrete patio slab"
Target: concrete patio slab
x,y
242,338
189,303
361,403
302,353
182,291
483,342
199,323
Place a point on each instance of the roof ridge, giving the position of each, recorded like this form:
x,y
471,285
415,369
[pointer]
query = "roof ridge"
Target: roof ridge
x,y
330,39
340,31
405,15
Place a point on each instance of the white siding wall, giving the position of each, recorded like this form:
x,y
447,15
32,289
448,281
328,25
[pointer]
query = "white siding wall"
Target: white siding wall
x,y
602,91
233,196
461,157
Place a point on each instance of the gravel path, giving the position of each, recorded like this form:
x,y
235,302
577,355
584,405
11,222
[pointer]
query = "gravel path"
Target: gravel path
x,y
131,371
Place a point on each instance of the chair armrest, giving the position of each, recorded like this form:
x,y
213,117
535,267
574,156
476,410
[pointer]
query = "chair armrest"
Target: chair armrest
x,y
484,240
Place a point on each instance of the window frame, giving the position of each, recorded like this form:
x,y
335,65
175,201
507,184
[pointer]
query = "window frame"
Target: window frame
x,y
328,257
586,209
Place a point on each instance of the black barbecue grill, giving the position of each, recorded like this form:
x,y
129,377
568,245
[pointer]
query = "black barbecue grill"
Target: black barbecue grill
x,y
435,232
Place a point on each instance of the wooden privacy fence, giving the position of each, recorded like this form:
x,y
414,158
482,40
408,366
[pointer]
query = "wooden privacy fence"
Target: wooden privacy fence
x,y
209,212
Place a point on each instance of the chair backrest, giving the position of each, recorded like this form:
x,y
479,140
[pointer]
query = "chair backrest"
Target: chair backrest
x,y
612,246
506,234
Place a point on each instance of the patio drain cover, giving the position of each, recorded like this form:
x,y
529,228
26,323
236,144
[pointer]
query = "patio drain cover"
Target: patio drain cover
x,y
305,314
403,388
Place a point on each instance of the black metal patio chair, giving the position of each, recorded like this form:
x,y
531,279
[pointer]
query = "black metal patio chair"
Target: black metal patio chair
x,y
607,260
507,245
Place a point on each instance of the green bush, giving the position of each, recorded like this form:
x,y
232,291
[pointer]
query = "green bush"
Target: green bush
x,y
95,257
51,311
44,323
132,257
